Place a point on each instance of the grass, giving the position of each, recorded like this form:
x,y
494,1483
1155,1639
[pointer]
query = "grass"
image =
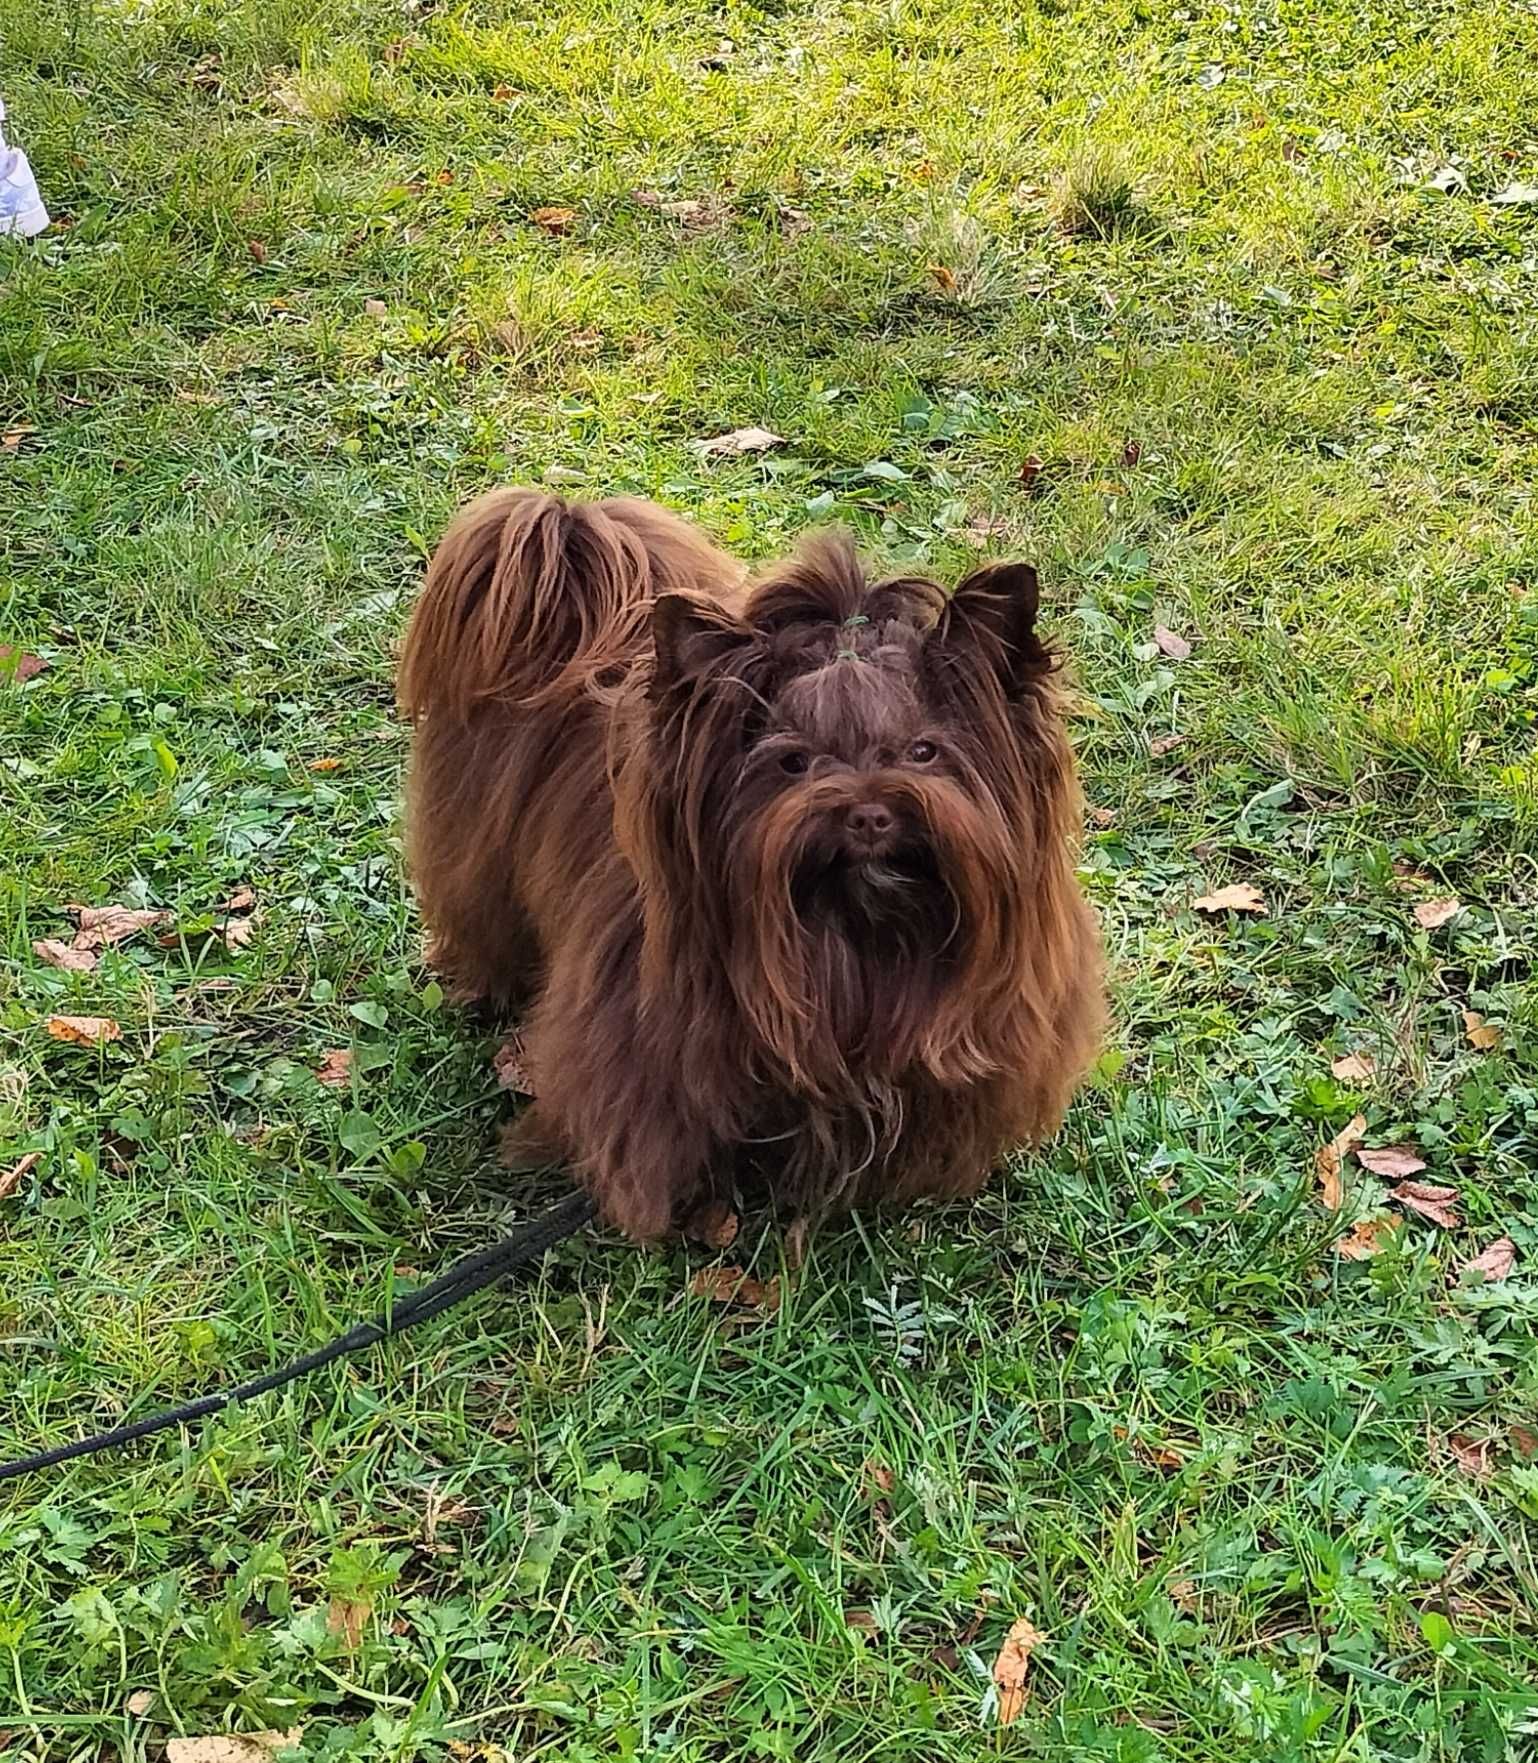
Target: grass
x,y
1279,393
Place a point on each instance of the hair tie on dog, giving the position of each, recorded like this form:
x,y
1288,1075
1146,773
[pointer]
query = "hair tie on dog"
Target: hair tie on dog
x,y
854,619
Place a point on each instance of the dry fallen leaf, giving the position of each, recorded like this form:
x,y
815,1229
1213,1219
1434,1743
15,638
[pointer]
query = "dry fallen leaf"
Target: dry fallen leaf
x,y
555,221
56,954
347,1618
1365,1241
1102,816
1392,1162
376,308
17,666
1433,914
1524,1441
1131,452
237,1747
1355,1068
861,1620
1170,643
140,1703
1481,1034
731,1285
714,1224
101,925
257,249
1495,1262
944,279
335,1068
84,1031
511,1064
880,1479
1162,744
1030,473
1471,1455
1240,897
1009,1669
12,439
748,440
1328,1158
1430,1201
237,932
325,764
11,1180
1182,1593
242,900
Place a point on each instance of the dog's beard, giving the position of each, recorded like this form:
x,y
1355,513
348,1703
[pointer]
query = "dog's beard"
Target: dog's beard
x,y
856,969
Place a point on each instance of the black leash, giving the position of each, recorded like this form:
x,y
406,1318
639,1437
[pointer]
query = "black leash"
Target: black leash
x,y
471,1274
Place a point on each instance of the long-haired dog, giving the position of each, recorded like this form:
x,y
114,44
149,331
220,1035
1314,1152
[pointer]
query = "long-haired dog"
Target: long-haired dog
x,y
782,876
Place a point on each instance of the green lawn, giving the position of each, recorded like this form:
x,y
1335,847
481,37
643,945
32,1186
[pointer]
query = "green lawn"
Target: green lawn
x,y
1168,300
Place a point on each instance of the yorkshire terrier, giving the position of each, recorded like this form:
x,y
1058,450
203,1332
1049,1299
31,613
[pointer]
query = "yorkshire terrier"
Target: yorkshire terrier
x,y
780,875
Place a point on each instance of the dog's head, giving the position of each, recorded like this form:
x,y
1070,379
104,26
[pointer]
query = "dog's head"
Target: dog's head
x,y
853,784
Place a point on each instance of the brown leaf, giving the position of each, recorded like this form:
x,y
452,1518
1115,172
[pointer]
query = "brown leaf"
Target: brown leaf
x,y
1392,1162
1328,1158
1495,1262
880,1478
376,308
101,925
1011,1666
739,441
511,1064
714,1224
1365,1241
335,1068
257,249
1030,473
1430,1201
1240,897
239,1747
1524,1441
325,764
242,900
1171,644
1162,744
12,1179
1131,452
1102,816
731,1285
140,1703
862,1621
17,667
556,221
347,1618
56,954
1433,914
503,92
84,1031
1355,1068
944,279
236,933
1481,1034
1182,1593
1471,1455
12,438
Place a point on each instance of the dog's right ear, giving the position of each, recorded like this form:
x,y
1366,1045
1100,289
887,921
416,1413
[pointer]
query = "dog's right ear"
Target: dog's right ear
x,y
690,638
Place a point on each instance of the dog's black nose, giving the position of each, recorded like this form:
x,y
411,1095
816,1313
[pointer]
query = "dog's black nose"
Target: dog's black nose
x,y
870,821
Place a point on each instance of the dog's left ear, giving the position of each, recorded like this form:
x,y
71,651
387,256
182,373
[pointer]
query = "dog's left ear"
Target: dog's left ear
x,y
690,638
990,621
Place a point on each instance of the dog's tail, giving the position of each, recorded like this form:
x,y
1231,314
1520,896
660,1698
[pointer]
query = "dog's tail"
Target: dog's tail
x,y
530,598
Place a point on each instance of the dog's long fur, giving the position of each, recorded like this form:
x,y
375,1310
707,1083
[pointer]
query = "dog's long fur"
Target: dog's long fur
x,y
781,877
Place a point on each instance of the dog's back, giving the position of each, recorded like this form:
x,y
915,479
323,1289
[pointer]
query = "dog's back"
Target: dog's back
x,y
535,611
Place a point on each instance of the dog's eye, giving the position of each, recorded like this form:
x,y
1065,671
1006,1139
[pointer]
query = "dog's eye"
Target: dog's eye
x,y
921,752
795,762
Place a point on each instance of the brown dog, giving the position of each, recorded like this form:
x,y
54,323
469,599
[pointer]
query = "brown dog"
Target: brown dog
x,y
783,877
